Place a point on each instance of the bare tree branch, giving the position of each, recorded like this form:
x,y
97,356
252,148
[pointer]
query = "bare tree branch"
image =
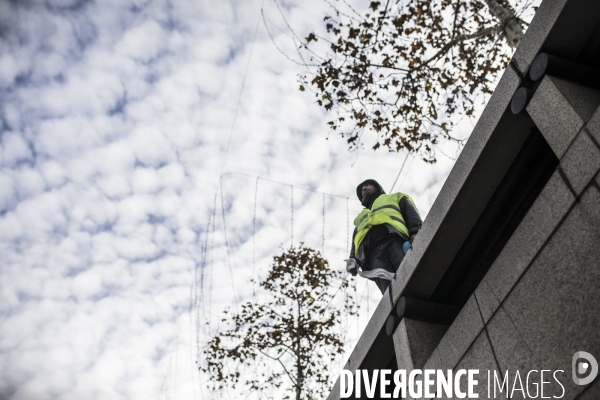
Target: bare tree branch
x,y
407,71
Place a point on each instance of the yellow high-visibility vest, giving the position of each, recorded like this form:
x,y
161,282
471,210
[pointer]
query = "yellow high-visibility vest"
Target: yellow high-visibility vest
x,y
385,210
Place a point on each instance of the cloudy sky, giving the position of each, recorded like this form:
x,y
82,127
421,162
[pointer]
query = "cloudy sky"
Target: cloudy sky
x,y
125,126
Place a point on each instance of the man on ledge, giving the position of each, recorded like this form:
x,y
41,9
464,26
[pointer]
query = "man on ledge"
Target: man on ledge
x,y
383,232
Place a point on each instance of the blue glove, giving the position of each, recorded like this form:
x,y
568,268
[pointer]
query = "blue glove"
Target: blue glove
x,y
406,246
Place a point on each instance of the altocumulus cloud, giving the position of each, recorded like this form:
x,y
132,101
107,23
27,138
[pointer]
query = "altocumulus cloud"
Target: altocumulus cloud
x,y
115,123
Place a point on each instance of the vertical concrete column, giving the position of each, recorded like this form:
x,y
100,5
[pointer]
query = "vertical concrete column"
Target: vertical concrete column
x,y
414,341
402,348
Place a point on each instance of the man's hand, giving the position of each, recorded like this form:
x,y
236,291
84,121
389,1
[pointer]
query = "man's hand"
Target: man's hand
x,y
351,266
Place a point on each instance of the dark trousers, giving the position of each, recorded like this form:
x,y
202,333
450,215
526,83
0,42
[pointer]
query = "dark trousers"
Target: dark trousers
x,y
387,254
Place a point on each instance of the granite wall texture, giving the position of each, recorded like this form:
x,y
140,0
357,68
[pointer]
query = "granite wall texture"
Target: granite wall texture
x,y
539,302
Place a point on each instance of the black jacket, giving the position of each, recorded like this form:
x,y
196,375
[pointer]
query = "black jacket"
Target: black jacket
x,y
409,213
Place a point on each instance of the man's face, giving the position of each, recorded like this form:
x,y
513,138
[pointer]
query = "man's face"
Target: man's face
x,y
367,189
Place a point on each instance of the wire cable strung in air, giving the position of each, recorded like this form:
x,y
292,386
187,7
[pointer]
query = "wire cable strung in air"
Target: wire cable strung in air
x,y
399,172
237,107
227,153
297,187
227,246
193,310
359,301
347,320
333,297
323,239
292,204
284,183
168,387
196,309
212,254
193,370
358,308
208,325
213,225
412,160
254,222
338,290
310,190
202,273
292,213
281,183
199,301
347,227
254,242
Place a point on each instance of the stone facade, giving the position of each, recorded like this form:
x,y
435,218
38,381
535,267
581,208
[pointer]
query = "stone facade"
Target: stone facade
x,y
528,289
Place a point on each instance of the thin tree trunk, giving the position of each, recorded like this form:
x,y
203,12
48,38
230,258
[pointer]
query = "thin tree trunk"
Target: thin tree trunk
x,y
298,383
511,26
299,372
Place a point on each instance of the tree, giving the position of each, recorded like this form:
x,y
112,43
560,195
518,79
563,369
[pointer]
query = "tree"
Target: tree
x,y
290,331
409,69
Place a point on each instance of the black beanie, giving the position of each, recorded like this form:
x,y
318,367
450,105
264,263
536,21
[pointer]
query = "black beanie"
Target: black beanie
x,y
372,182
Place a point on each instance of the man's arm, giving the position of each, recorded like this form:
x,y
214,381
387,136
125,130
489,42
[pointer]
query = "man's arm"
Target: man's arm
x,y
351,256
352,248
411,217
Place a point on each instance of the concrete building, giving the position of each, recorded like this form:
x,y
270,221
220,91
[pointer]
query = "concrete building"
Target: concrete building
x,y
505,273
